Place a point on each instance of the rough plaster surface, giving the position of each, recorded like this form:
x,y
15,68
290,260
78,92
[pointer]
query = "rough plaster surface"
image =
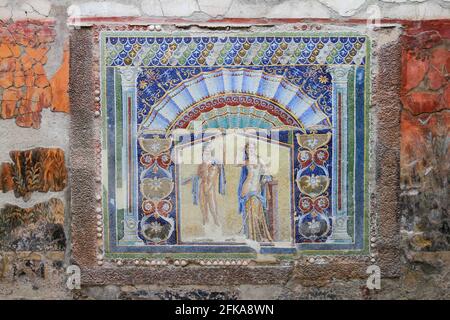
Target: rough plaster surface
x,y
420,268
83,189
386,151
362,9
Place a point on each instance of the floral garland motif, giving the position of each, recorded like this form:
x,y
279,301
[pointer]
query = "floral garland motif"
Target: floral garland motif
x,y
313,181
156,186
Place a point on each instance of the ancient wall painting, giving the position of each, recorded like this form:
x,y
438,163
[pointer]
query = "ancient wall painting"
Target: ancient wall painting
x,y
34,170
231,144
38,228
25,88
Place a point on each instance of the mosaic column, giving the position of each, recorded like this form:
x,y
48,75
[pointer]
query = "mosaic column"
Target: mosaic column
x,y
129,155
339,75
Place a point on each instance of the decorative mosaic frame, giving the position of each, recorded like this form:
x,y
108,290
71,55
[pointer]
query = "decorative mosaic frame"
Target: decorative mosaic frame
x,y
141,259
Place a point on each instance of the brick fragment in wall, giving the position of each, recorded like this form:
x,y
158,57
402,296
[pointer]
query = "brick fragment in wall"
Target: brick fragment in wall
x,y
39,169
24,87
38,228
36,271
142,292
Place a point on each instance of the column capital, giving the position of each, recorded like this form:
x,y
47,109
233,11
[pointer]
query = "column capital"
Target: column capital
x,y
339,73
129,76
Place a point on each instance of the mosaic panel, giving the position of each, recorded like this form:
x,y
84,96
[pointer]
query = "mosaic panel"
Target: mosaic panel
x,y
234,145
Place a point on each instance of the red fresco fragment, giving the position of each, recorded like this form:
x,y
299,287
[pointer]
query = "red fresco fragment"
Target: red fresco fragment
x,y
425,95
415,70
24,87
422,102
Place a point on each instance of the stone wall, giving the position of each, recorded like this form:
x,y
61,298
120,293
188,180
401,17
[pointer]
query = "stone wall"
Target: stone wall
x,y
36,173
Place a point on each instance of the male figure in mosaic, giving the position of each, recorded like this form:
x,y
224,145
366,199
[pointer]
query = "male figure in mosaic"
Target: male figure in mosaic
x,y
207,184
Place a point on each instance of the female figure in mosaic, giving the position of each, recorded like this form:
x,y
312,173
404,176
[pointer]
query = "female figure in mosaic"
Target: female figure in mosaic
x,y
252,193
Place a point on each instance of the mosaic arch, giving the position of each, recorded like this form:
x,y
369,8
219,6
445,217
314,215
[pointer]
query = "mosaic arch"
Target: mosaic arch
x,y
233,102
